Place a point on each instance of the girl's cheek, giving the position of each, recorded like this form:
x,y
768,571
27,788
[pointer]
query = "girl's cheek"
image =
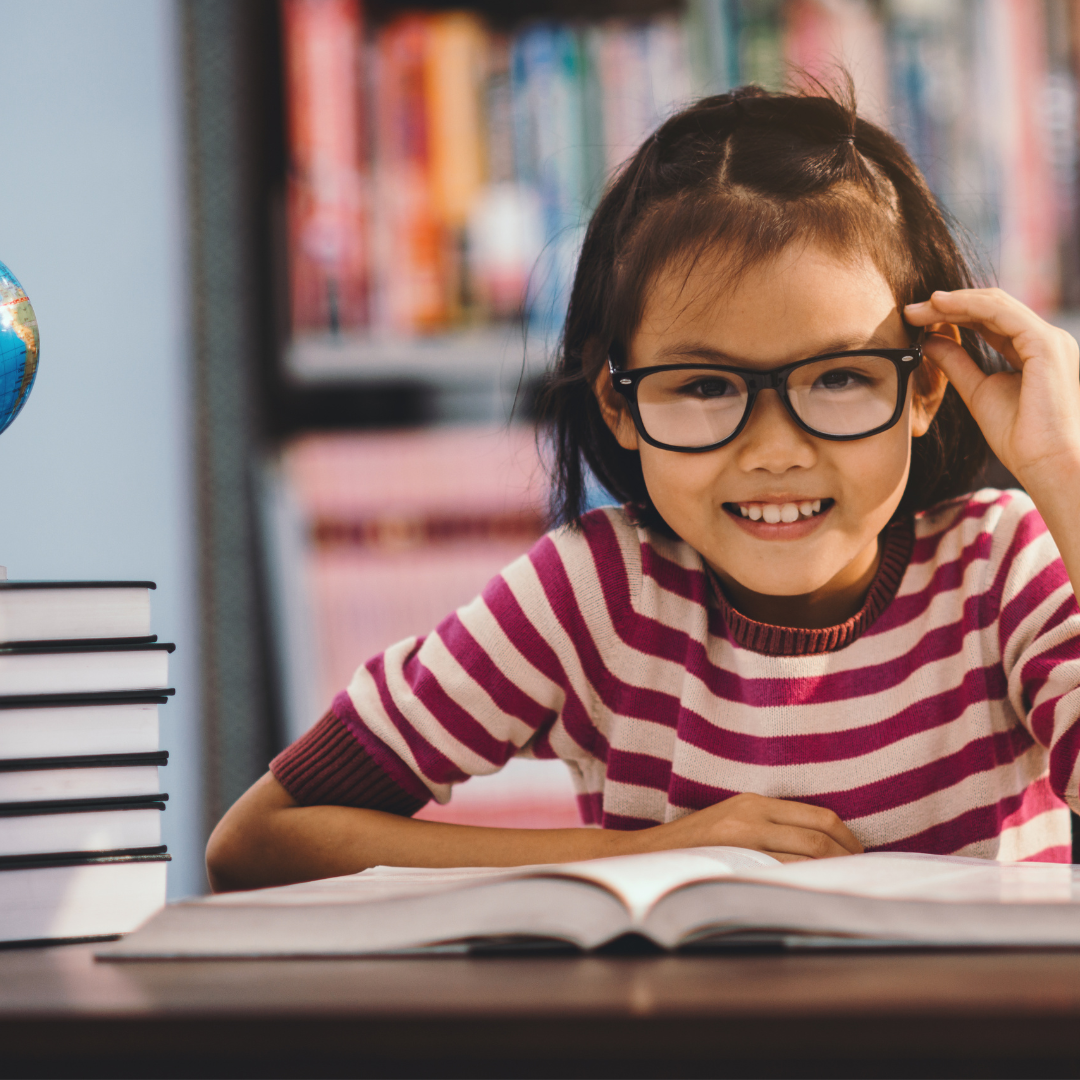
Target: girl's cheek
x,y
873,471
681,478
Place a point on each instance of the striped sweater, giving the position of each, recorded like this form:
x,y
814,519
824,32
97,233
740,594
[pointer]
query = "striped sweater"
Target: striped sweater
x,y
940,718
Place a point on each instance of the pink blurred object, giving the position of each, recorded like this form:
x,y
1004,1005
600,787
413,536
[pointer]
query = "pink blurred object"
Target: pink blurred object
x,y
403,528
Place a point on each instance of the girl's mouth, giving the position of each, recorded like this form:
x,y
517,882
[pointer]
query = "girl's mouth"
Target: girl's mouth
x,y
775,521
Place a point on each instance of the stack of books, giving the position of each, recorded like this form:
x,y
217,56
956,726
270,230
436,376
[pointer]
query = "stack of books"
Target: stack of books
x,y
81,679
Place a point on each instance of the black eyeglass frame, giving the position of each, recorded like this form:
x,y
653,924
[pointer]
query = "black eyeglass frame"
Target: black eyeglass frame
x,y
625,383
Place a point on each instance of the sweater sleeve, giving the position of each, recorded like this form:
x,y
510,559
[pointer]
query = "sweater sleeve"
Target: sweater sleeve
x,y
327,766
512,671
1038,627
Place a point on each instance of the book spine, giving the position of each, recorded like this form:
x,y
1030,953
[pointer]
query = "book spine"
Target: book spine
x,y
668,67
547,79
411,251
328,181
1028,234
505,232
759,31
710,31
454,88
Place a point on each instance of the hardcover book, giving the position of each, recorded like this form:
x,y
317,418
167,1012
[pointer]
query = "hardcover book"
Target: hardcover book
x,y
100,667
74,610
88,776
697,898
50,898
64,826
37,725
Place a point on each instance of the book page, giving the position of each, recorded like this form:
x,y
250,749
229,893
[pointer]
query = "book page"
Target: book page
x,y
637,880
642,880
378,883
939,878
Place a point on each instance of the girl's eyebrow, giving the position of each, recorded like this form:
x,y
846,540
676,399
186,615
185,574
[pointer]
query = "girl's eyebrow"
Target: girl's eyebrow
x,y
711,355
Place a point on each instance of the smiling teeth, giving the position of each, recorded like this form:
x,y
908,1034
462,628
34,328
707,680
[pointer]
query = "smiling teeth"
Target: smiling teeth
x,y
774,513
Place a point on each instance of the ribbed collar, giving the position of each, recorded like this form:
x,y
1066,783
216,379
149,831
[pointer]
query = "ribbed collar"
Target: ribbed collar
x,y
897,544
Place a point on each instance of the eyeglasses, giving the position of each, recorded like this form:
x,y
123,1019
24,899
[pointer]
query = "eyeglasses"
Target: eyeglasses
x,y
692,408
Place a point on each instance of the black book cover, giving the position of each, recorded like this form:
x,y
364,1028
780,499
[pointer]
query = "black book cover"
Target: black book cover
x,y
85,858
105,697
85,761
49,644
94,645
83,806
14,585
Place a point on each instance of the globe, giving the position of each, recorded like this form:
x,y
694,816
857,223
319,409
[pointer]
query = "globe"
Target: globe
x,y
19,347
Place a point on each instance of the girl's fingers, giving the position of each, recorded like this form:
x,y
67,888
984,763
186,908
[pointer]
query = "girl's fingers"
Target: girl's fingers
x,y
815,819
809,843
957,365
1008,326
990,308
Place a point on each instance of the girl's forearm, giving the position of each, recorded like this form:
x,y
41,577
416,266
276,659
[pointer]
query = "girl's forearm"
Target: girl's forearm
x,y
266,839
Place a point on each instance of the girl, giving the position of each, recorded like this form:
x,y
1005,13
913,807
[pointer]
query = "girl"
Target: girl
x,y
798,634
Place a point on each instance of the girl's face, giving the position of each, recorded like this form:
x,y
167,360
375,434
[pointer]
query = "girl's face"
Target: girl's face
x,y
813,571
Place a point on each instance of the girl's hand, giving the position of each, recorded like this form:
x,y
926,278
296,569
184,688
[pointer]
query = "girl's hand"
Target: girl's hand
x,y
1031,415
789,831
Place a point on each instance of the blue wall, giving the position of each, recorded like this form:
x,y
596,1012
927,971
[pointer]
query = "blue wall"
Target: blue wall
x,y
94,474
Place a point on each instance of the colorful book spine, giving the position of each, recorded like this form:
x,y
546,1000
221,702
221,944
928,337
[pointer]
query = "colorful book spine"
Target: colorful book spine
x,y
549,127
410,246
1029,254
328,181
505,230
712,45
454,95
822,35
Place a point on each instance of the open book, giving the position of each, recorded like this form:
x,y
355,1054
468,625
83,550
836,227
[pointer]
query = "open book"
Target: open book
x,y
697,898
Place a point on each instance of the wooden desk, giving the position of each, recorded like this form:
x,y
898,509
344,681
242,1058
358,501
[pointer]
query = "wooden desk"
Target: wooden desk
x,y
959,1014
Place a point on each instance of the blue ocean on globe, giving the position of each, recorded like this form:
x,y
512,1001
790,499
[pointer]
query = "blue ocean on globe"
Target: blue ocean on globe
x,y
19,347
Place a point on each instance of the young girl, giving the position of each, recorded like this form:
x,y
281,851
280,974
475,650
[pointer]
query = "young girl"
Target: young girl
x,y
798,634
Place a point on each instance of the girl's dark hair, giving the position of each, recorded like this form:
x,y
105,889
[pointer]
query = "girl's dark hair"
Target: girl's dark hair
x,y
751,171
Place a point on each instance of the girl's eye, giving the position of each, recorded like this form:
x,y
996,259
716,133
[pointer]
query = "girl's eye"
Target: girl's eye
x,y
841,379
710,387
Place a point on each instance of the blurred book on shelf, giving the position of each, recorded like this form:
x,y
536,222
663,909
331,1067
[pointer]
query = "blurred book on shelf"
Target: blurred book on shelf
x,y
387,533
328,187
442,169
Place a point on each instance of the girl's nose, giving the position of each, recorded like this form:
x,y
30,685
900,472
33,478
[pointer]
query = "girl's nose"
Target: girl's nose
x,y
772,440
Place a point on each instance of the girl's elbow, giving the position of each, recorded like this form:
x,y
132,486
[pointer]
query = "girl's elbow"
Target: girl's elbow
x,y
225,862
237,848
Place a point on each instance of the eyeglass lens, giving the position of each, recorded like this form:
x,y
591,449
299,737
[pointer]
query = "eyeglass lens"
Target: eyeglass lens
x,y
848,395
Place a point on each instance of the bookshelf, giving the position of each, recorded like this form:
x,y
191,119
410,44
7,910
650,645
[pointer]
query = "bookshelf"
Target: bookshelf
x,y
1005,166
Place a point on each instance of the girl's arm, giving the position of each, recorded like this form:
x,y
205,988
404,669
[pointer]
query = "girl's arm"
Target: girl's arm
x,y
266,838
1031,415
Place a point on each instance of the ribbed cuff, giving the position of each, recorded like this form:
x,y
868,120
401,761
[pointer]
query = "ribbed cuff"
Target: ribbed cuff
x,y
328,767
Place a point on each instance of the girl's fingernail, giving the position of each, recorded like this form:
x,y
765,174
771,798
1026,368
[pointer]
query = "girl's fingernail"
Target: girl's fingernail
x,y
917,304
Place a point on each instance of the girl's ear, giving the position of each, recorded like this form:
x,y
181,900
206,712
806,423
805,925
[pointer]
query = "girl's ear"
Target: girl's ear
x,y
930,385
614,411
